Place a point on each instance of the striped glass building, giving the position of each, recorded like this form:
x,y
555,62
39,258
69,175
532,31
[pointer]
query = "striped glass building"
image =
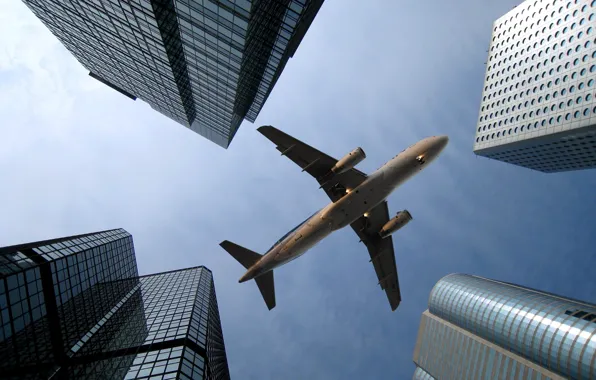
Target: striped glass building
x,y
476,328
206,64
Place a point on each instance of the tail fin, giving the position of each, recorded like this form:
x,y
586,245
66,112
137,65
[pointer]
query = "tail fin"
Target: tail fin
x,y
244,256
267,288
247,258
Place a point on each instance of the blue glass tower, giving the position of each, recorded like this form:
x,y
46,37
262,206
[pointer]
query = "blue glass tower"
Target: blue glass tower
x,y
476,328
76,308
206,64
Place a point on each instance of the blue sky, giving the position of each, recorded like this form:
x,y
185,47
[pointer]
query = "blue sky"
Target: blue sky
x,y
76,157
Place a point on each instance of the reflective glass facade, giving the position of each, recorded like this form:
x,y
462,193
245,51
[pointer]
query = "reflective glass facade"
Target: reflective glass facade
x,y
207,64
480,328
420,374
538,106
77,308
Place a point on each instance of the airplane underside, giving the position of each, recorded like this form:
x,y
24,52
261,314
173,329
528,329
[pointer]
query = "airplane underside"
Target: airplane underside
x,y
357,200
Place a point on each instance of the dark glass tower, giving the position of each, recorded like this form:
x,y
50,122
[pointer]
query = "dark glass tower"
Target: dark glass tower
x,y
76,308
476,328
207,64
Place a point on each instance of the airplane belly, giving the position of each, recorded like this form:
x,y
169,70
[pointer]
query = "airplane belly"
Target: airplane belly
x,y
360,200
304,239
398,172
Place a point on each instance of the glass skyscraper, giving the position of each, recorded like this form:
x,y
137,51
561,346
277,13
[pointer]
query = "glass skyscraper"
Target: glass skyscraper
x,y
538,107
476,328
76,308
207,64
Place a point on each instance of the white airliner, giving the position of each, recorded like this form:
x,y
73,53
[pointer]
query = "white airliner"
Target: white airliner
x,y
357,200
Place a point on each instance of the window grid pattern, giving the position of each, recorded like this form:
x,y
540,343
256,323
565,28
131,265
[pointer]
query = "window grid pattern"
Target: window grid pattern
x,y
68,247
292,13
111,261
22,303
193,365
160,311
572,152
117,335
46,308
181,306
540,79
163,364
15,259
121,43
87,307
216,350
168,301
450,354
213,36
530,323
120,327
183,57
420,374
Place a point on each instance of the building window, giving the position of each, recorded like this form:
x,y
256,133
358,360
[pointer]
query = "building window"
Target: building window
x,y
586,316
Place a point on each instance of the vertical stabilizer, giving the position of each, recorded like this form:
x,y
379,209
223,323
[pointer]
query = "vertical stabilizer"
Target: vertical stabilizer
x,y
267,288
248,258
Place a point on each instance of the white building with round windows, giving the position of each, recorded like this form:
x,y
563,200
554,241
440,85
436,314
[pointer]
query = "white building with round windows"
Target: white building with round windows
x,y
538,106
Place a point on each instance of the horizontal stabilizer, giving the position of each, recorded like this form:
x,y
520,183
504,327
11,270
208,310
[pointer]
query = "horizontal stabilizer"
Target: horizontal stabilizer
x,y
267,288
244,256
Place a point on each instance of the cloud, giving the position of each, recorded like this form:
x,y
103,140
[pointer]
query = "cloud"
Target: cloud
x,y
76,156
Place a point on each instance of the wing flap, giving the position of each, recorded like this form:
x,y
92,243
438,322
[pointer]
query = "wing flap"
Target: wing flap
x,y
381,251
314,162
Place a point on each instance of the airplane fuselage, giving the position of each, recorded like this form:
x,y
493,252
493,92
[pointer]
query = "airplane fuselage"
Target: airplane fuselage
x,y
353,205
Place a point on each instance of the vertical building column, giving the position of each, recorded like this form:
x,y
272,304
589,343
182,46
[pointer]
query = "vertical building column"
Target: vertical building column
x,y
167,21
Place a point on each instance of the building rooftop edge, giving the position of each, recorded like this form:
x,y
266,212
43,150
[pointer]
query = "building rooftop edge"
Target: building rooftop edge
x,y
17,247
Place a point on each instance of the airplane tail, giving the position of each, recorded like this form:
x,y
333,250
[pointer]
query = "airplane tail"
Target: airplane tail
x,y
247,258
244,256
267,288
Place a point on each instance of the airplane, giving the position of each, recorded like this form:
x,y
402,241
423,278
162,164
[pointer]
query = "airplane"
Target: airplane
x,y
357,199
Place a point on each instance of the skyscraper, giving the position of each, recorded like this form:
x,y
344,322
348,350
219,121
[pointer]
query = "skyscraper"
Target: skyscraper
x,y
207,64
76,307
538,106
476,328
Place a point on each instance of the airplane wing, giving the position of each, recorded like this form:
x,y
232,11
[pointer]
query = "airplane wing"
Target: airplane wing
x,y
381,250
314,162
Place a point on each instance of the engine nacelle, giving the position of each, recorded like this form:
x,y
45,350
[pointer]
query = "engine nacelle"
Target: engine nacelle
x,y
349,161
401,219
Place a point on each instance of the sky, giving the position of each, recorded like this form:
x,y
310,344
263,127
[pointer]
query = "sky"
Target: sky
x,y
78,157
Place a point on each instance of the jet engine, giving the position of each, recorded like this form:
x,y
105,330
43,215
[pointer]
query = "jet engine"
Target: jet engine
x,y
349,161
401,219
